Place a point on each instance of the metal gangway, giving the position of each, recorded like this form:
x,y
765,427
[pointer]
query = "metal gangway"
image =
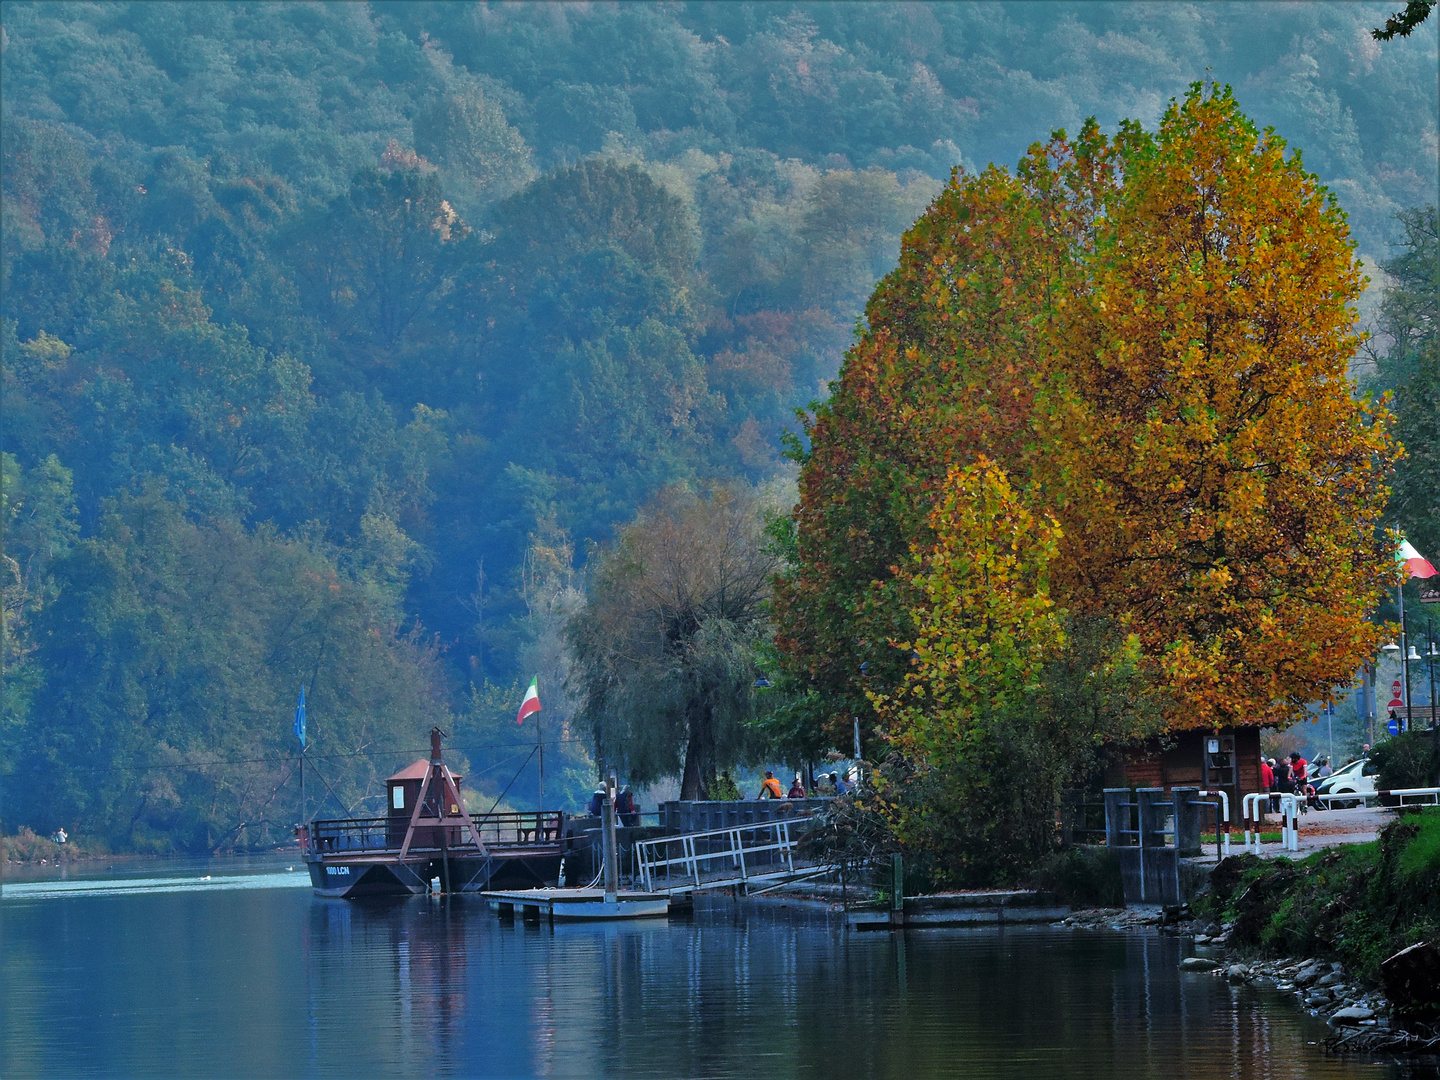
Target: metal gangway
x,y
742,855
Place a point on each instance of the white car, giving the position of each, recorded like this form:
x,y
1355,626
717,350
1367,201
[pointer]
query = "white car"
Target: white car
x,y
1357,778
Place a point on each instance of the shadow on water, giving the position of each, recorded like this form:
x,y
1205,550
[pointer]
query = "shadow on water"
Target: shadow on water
x,y
274,982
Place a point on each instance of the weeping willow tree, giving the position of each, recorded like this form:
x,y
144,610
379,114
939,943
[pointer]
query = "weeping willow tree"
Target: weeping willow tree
x,y
665,647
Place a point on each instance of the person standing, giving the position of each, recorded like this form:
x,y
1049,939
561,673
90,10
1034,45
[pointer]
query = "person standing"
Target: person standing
x,y
1267,784
1284,784
625,808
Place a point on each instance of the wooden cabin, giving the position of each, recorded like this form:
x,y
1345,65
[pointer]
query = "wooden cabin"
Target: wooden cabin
x,y
1225,759
401,791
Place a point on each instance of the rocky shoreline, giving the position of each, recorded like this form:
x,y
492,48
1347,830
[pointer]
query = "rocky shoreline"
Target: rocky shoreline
x,y
1359,1012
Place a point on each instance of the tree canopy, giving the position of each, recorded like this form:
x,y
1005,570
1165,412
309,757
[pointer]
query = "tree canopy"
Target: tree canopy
x,y
1151,335
668,646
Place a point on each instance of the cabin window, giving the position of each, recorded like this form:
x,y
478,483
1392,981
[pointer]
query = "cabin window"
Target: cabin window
x,y
397,797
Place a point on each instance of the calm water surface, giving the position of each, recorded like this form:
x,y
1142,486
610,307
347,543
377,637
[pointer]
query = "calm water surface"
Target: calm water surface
x,y
151,970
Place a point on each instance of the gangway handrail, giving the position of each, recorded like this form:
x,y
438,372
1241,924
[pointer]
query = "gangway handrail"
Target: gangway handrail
x,y
652,855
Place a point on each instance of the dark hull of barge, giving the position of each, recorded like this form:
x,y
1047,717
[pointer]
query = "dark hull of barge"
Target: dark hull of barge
x,y
360,876
355,859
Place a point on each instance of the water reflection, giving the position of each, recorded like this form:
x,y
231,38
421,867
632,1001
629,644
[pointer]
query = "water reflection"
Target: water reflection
x,y
272,982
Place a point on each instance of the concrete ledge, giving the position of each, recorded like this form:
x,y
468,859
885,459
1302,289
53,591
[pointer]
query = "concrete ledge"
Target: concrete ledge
x,y
963,909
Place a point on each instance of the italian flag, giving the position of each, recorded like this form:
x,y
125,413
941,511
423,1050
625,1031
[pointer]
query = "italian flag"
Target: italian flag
x,y
1411,561
531,704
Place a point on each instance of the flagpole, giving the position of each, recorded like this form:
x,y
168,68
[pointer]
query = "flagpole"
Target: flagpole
x,y
540,748
1405,656
302,785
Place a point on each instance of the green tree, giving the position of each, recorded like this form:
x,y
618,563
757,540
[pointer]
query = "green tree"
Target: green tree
x,y
1409,333
171,658
481,157
666,646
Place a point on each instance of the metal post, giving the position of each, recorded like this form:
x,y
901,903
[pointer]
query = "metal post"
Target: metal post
x,y
444,843
1367,686
1405,656
612,858
1434,716
897,883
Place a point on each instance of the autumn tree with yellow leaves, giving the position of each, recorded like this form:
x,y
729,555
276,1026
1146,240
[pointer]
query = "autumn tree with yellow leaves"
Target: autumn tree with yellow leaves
x,y
1149,336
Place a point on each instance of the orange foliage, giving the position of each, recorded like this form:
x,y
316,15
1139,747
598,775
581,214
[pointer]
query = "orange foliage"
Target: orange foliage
x,y
1150,336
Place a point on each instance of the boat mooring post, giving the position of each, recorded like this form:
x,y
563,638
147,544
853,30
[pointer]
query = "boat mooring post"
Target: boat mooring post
x,y
612,857
897,890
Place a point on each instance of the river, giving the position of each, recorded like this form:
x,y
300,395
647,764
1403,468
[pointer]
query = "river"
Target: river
x,y
231,968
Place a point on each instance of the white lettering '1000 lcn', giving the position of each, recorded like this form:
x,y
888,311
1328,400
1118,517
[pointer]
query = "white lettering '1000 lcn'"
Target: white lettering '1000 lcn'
x,y
337,870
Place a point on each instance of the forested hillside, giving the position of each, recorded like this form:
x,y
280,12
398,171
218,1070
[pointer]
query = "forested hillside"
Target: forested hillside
x,y
334,334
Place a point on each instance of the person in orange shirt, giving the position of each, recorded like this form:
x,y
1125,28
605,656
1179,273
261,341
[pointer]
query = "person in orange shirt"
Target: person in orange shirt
x,y
770,789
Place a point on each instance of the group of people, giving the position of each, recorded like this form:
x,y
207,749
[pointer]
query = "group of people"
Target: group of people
x,y
1293,776
770,787
626,811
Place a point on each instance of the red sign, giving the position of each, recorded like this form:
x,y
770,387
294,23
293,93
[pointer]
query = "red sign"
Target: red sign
x,y
1396,702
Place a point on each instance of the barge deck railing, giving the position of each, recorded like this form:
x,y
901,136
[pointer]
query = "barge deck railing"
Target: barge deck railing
x,y
382,834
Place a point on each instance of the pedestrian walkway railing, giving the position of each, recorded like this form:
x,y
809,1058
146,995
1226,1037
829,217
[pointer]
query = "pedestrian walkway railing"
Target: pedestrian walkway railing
x,y
1222,818
1421,796
1252,807
1292,805
745,853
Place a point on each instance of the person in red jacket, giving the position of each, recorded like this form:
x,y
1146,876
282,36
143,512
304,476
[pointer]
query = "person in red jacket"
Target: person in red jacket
x,y
1267,784
1300,768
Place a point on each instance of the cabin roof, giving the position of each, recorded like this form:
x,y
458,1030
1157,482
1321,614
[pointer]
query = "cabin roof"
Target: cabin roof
x,y
417,771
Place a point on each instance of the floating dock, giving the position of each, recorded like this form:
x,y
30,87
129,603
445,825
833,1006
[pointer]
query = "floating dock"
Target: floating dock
x,y
559,905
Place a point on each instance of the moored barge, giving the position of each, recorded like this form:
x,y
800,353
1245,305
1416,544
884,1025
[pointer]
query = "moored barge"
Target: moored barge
x,y
428,841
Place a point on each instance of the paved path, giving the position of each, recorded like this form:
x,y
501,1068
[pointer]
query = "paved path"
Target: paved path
x,y
1319,829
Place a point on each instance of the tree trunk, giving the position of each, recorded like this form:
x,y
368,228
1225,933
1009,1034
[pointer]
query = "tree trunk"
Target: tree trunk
x,y
699,764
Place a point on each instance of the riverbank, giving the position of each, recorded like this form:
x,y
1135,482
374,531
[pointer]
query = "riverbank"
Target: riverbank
x,y
1331,929
29,848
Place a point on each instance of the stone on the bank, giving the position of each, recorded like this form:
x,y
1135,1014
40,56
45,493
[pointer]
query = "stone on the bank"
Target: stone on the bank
x,y
1306,975
1237,973
1198,963
1330,980
1352,1016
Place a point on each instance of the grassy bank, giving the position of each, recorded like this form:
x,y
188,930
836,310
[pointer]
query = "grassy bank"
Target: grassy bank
x,y
1357,903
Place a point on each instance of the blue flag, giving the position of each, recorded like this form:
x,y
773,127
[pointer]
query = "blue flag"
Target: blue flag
x,y
300,718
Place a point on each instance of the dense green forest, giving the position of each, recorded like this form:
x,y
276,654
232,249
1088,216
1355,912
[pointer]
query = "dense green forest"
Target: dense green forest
x,y
334,335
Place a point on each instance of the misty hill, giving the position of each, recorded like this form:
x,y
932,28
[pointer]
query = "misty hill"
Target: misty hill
x,y
333,333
